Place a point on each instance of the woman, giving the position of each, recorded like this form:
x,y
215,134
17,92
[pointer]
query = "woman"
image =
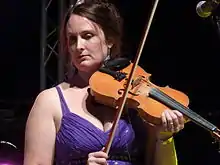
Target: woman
x,y
67,127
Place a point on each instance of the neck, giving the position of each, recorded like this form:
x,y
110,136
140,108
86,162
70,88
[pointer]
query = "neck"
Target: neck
x,y
84,76
81,79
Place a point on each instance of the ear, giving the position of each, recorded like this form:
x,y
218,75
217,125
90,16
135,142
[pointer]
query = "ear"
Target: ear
x,y
110,46
110,43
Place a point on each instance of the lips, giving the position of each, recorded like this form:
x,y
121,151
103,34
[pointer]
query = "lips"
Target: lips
x,y
81,56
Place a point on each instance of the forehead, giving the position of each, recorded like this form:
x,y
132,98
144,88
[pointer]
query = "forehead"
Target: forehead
x,y
77,24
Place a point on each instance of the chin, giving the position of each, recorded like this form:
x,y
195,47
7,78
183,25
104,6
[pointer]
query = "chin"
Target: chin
x,y
87,67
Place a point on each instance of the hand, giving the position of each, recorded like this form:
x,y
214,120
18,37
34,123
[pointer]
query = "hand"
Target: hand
x,y
172,121
97,158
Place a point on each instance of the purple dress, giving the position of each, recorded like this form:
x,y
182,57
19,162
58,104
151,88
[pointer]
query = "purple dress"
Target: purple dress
x,y
78,137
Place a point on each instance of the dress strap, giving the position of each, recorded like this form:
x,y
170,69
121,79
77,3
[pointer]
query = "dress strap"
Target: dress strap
x,y
63,103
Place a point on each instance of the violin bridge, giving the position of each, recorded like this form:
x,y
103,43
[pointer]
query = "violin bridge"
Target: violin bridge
x,y
136,82
139,88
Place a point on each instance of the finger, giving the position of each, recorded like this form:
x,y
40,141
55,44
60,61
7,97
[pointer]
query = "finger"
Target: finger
x,y
170,126
94,160
164,121
175,121
99,154
180,119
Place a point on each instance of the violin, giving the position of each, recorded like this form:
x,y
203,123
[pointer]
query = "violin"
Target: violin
x,y
144,96
107,86
128,85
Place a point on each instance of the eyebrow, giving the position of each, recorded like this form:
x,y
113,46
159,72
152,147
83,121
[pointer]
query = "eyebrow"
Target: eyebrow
x,y
82,32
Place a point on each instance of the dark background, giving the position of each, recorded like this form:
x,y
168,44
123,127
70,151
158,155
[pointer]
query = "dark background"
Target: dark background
x,y
181,51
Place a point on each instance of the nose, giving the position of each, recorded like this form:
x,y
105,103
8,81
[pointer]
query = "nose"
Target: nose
x,y
80,44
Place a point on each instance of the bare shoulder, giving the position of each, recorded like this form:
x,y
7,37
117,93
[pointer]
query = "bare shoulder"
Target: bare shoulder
x,y
46,97
47,101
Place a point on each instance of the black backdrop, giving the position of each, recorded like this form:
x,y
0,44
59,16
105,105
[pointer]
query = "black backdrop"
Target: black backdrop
x,y
181,51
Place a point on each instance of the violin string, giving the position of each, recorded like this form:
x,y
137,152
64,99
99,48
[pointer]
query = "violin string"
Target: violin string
x,y
179,106
182,106
162,96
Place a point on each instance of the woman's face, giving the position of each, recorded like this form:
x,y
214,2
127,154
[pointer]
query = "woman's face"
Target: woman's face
x,y
87,44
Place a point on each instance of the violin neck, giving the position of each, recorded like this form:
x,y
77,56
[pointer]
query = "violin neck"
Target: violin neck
x,y
173,104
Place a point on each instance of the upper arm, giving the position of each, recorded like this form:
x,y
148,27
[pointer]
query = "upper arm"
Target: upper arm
x,y
40,132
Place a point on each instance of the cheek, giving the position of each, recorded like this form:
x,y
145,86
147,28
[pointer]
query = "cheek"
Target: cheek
x,y
98,50
72,53
72,56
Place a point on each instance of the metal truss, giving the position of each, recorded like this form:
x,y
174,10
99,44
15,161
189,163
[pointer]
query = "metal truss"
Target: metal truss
x,y
51,61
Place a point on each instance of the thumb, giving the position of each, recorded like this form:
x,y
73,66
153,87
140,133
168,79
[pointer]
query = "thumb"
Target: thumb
x,y
103,149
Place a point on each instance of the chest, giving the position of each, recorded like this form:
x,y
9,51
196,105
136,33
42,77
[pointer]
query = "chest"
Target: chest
x,y
78,137
82,104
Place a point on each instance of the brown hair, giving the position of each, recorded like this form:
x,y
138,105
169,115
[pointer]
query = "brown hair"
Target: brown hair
x,y
102,13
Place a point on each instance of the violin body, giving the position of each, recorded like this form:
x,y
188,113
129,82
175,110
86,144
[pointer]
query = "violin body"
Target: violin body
x,y
108,90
